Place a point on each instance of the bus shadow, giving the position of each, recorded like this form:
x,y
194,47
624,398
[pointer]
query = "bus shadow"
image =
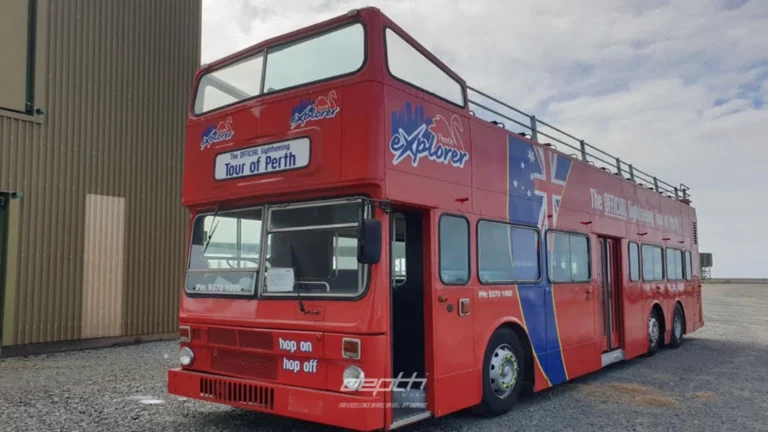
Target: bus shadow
x,y
693,363
698,366
235,419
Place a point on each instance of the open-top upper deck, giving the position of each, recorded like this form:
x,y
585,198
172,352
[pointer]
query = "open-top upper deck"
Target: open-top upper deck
x,y
385,114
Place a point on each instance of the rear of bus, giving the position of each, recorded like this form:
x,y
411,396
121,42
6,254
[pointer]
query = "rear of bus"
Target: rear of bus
x,y
286,292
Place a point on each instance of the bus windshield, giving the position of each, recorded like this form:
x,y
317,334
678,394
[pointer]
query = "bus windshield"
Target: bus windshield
x,y
310,248
331,54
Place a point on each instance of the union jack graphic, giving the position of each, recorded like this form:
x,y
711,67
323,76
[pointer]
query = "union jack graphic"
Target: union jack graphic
x,y
537,175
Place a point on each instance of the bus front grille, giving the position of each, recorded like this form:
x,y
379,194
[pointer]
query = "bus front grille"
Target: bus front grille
x,y
237,393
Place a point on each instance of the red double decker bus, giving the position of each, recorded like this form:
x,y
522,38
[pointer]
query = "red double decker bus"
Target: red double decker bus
x,y
368,247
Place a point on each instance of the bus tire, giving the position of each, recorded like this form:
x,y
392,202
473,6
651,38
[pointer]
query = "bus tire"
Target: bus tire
x,y
654,333
503,373
678,327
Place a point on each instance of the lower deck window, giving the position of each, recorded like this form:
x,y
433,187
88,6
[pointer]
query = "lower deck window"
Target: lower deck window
x,y
674,264
224,255
308,247
313,248
568,257
507,253
634,262
653,263
454,250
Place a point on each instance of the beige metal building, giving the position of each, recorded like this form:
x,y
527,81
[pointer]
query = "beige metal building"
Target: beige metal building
x,y
93,97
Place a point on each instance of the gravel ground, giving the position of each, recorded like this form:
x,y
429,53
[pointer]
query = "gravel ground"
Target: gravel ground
x,y
715,381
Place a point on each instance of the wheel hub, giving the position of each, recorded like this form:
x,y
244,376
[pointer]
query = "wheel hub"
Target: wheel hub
x,y
503,371
678,326
653,331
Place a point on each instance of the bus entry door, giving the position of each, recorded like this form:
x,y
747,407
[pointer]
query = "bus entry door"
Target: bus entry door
x,y
610,294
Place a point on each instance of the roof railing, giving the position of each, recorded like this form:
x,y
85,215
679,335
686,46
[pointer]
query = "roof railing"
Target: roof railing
x,y
535,129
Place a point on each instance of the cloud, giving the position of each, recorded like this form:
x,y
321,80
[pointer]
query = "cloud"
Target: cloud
x,y
677,87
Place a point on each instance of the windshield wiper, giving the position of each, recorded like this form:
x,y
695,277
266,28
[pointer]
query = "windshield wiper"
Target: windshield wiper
x,y
297,280
213,230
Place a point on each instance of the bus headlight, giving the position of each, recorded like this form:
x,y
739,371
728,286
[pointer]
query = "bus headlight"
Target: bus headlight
x,y
186,356
353,378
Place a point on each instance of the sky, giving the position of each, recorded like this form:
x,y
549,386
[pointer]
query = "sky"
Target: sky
x,y
679,88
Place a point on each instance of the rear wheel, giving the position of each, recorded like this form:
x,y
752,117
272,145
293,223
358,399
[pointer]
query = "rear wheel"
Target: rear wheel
x,y
678,326
503,372
654,332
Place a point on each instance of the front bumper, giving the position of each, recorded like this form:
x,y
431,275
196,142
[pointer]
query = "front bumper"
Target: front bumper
x,y
335,409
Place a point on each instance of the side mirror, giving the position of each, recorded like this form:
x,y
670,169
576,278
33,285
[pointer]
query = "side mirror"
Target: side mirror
x,y
369,241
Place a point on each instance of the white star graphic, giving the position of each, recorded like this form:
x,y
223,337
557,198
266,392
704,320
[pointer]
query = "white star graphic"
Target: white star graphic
x,y
531,156
529,193
522,165
515,183
531,176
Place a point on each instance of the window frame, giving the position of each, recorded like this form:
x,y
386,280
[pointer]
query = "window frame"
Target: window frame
x,y
590,273
682,264
30,73
513,225
364,272
663,263
393,240
254,294
262,52
369,211
639,261
265,50
440,249
412,85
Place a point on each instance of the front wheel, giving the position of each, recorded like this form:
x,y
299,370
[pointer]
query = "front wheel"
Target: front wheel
x,y
503,372
677,327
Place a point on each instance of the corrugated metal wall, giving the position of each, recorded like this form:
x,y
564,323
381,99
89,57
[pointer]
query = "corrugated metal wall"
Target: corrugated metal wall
x,y
106,160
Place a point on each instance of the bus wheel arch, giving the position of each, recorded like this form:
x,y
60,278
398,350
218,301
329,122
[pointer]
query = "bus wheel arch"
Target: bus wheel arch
x,y
529,374
507,369
678,325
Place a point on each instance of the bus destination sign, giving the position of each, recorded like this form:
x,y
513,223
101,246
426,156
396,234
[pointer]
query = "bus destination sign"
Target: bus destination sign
x,y
265,159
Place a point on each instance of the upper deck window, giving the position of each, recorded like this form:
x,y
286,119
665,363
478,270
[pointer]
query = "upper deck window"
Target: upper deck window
x,y
408,64
338,52
332,54
230,84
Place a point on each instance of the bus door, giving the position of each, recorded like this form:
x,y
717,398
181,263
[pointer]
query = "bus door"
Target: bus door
x,y
450,303
407,252
610,292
